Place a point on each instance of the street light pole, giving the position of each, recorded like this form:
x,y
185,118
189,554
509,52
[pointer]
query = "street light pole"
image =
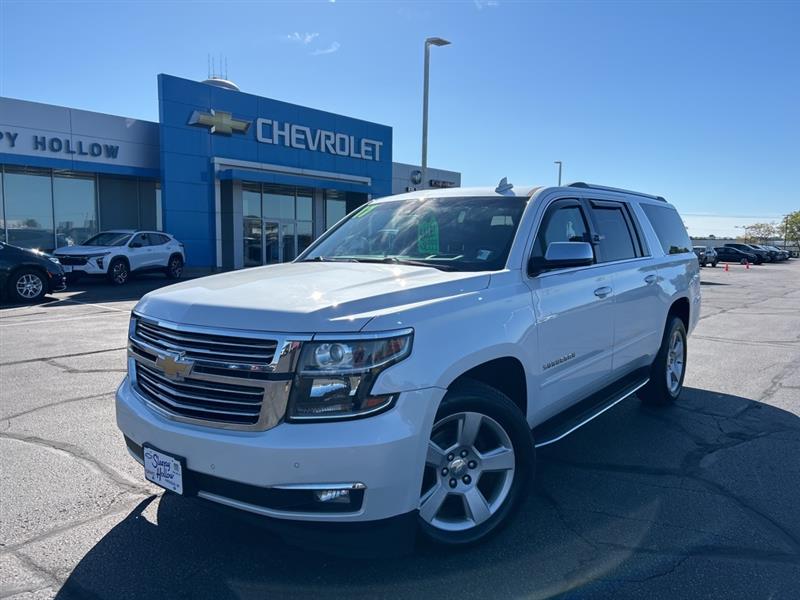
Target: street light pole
x,y
434,41
558,162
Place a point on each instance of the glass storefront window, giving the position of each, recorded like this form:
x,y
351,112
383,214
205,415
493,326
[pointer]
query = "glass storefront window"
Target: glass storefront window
x,y
251,200
75,209
335,207
27,195
278,202
305,202
305,235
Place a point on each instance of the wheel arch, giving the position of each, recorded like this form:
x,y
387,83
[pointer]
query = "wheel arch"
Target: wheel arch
x,y
681,308
505,374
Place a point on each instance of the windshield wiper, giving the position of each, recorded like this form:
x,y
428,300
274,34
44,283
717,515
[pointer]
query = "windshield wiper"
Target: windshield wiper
x,y
404,261
330,259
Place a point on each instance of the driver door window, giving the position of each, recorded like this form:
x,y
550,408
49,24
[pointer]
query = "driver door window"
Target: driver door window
x,y
564,222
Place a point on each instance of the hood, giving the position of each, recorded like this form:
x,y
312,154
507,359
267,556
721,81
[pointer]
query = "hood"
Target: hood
x,y
305,297
84,250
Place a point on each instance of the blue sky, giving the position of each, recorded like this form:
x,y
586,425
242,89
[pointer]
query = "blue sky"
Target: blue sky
x,y
696,101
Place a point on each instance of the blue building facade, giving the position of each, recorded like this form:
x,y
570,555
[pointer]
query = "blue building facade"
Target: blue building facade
x,y
241,180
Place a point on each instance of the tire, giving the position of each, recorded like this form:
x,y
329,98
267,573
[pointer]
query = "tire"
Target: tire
x,y
502,435
174,267
658,391
714,264
703,264
743,261
27,285
118,271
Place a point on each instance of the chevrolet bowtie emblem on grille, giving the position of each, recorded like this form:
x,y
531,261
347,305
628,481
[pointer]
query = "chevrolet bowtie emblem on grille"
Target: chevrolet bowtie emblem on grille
x,y
219,122
174,365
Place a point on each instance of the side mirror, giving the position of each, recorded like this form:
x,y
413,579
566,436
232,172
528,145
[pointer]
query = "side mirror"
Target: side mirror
x,y
136,244
563,255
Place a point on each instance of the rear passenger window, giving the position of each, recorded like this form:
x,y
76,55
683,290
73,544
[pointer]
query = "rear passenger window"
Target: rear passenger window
x,y
616,238
157,239
669,228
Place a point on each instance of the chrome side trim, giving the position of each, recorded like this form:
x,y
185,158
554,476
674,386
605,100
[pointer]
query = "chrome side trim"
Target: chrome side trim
x,y
594,416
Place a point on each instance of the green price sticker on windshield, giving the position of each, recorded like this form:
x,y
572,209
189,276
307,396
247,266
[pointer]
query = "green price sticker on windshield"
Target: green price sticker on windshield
x,y
365,211
428,236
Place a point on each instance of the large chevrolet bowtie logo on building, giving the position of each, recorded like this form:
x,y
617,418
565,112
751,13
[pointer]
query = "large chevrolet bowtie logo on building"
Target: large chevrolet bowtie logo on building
x,y
174,365
219,121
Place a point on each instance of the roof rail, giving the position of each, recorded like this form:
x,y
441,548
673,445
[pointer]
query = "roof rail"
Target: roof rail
x,y
592,186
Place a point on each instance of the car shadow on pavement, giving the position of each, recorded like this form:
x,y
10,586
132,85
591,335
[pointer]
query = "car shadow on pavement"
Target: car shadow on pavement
x,y
688,500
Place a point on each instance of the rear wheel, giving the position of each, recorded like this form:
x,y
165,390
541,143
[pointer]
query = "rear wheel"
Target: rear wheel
x,y
27,285
669,367
174,267
118,271
480,460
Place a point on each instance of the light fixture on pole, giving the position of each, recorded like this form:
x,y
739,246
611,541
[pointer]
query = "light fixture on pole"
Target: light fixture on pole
x,y
558,162
432,41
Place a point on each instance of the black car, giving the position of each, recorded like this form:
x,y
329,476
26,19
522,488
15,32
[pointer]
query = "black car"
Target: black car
x,y
774,253
761,255
728,254
27,275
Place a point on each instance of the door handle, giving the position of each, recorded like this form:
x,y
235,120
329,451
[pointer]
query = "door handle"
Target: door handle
x,y
602,292
650,279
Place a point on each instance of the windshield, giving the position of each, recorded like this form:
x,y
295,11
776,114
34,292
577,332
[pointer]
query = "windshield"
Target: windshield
x,y
458,234
108,238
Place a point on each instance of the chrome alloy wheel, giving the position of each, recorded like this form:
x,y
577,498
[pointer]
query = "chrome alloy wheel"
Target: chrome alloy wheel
x,y
29,286
119,272
469,471
176,267
676,358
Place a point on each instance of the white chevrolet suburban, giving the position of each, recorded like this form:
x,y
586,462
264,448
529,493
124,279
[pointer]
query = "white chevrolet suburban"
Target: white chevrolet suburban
x,y
408,364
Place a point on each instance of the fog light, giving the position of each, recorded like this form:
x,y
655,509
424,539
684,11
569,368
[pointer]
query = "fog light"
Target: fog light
x,y
338,496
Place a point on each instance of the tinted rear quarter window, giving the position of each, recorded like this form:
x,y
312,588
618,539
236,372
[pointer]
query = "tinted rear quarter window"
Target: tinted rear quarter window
x,y
616,242
669,228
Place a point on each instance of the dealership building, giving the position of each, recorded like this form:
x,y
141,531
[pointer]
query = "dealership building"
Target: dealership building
x,y
241,180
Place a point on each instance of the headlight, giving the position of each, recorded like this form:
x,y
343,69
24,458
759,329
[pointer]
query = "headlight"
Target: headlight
x,y
334,378
54,259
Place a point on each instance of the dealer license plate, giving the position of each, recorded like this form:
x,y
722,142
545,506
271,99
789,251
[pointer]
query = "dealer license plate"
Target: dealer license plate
x,y
163,469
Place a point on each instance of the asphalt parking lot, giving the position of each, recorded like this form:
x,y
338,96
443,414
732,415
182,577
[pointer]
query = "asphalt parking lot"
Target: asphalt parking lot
x,y
696,500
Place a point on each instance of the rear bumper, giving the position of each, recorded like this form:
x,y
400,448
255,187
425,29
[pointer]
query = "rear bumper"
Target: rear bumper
x,y
246,470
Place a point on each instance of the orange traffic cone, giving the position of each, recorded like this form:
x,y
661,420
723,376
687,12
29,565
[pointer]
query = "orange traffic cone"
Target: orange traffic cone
x,y
746,264
726,267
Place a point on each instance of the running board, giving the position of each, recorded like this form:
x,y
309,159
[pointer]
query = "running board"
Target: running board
x,y
560,426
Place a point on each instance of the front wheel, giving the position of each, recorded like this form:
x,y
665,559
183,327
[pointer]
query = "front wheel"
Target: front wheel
x,y
118,272
669,368
27,286
480,460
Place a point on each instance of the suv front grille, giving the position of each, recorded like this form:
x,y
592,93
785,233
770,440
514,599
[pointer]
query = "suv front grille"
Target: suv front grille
x,y
213,377
71,260
229,349
200,399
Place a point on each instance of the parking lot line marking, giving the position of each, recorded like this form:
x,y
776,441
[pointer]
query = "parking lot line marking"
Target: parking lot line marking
x,y
42,358
92,304
54,319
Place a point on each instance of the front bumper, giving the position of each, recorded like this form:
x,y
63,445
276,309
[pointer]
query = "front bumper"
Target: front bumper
x,y
385,452
57,282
